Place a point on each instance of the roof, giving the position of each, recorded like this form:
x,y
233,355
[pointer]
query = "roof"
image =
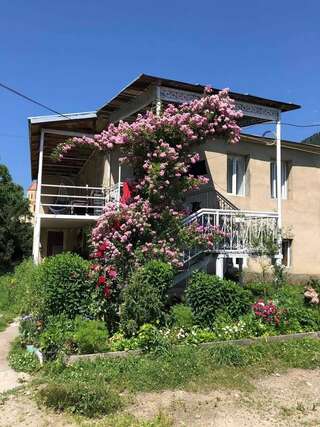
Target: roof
x,y
71,122
33,186
94,121
293,145
143,81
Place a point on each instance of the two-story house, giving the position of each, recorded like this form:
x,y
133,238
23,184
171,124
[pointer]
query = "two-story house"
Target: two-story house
x,y
241,194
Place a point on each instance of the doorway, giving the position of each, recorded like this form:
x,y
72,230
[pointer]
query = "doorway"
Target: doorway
x,y
55,243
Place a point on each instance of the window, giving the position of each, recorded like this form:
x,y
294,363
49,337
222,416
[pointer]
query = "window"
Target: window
x,y
284,179
236,175
286,252
198,168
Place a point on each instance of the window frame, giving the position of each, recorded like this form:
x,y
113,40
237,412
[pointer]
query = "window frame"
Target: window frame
x,y
233,190
284,179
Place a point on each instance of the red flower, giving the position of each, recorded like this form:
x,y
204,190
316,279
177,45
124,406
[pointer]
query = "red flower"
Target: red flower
x,y
103,247
101,280
107,291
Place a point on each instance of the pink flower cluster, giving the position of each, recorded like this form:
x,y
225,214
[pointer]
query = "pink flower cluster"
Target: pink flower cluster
x,y
159,147
269,312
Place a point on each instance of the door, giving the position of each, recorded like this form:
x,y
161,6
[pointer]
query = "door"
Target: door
x,y
55,243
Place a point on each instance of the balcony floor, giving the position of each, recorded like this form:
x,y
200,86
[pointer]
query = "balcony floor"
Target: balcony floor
x,y
66,221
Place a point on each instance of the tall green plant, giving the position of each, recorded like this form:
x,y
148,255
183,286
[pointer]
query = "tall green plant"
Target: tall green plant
x,y
65,285
15,227
208,295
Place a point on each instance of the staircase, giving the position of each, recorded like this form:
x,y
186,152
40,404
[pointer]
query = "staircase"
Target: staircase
x,y
243,232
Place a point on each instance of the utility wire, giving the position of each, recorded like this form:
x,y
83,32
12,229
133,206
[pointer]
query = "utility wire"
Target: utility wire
x,y
32,100
16,92
286,124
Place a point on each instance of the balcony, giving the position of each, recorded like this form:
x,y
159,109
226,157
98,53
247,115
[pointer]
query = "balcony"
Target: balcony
x,y
69,201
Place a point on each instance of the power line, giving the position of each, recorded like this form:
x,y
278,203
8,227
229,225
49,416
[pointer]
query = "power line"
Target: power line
x,y
16,92
286,124
10,89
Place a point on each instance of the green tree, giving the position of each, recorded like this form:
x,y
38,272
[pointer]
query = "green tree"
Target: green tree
x,y
15,229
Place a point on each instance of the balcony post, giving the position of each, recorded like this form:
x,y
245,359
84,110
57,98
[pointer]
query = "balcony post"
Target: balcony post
x,y
279,189
220,266
37,222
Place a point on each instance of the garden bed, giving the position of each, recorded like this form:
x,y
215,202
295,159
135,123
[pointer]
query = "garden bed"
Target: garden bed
x,y
69,360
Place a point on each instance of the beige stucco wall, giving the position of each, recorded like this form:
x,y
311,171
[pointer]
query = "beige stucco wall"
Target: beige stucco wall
x,y
301,211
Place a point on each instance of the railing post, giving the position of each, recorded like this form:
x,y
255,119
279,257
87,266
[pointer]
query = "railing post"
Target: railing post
x,y
220,266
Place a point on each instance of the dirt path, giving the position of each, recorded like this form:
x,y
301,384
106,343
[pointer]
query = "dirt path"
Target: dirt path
x,y
9,379
291,399
286,400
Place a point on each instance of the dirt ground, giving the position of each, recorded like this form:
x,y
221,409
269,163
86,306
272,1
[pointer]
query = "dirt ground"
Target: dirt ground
x,y
291,399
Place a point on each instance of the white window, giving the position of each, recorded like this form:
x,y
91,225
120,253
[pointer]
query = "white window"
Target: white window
x,y
284,180
236,175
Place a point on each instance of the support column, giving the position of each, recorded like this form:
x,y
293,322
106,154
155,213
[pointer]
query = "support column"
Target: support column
x,y
279,189
220,266
158,101
37,223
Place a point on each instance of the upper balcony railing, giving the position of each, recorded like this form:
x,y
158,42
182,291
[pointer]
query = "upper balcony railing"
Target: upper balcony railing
x,y
76,200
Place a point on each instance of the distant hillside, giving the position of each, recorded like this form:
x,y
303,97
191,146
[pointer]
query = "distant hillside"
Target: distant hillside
x,y
313,139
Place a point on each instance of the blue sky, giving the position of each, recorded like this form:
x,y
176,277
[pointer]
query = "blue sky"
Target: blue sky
x,y
75,55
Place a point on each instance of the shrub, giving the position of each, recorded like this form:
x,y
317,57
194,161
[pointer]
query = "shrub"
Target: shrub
x,y
65,285
90,400
57,336
207,295
145,296
181,316
90,336
151,339
21,360
30,329
158,275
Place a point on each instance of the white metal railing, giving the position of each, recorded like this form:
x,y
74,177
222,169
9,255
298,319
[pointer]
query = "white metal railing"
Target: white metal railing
x,y
240,232
77,200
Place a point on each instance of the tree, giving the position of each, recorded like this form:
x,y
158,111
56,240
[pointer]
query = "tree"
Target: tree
x,y
15,228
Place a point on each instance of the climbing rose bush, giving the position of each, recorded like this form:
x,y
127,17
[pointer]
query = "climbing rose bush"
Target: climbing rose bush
x,y
160,149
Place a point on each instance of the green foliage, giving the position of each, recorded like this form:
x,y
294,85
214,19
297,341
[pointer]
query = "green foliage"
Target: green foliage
x,y
57,336
289,296
18,293
145,296
80,398
159,275
15,229
66,286
193,367
230,355
90,336
21,360
72,336
260,289
207,295
181,316
151,339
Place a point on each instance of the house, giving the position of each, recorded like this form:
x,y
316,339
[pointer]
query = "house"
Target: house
x,y
241,196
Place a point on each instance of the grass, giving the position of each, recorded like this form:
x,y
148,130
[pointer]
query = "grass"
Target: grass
x,y
188,368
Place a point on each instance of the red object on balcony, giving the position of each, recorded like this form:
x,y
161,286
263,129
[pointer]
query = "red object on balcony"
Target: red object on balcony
x,y
126,192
